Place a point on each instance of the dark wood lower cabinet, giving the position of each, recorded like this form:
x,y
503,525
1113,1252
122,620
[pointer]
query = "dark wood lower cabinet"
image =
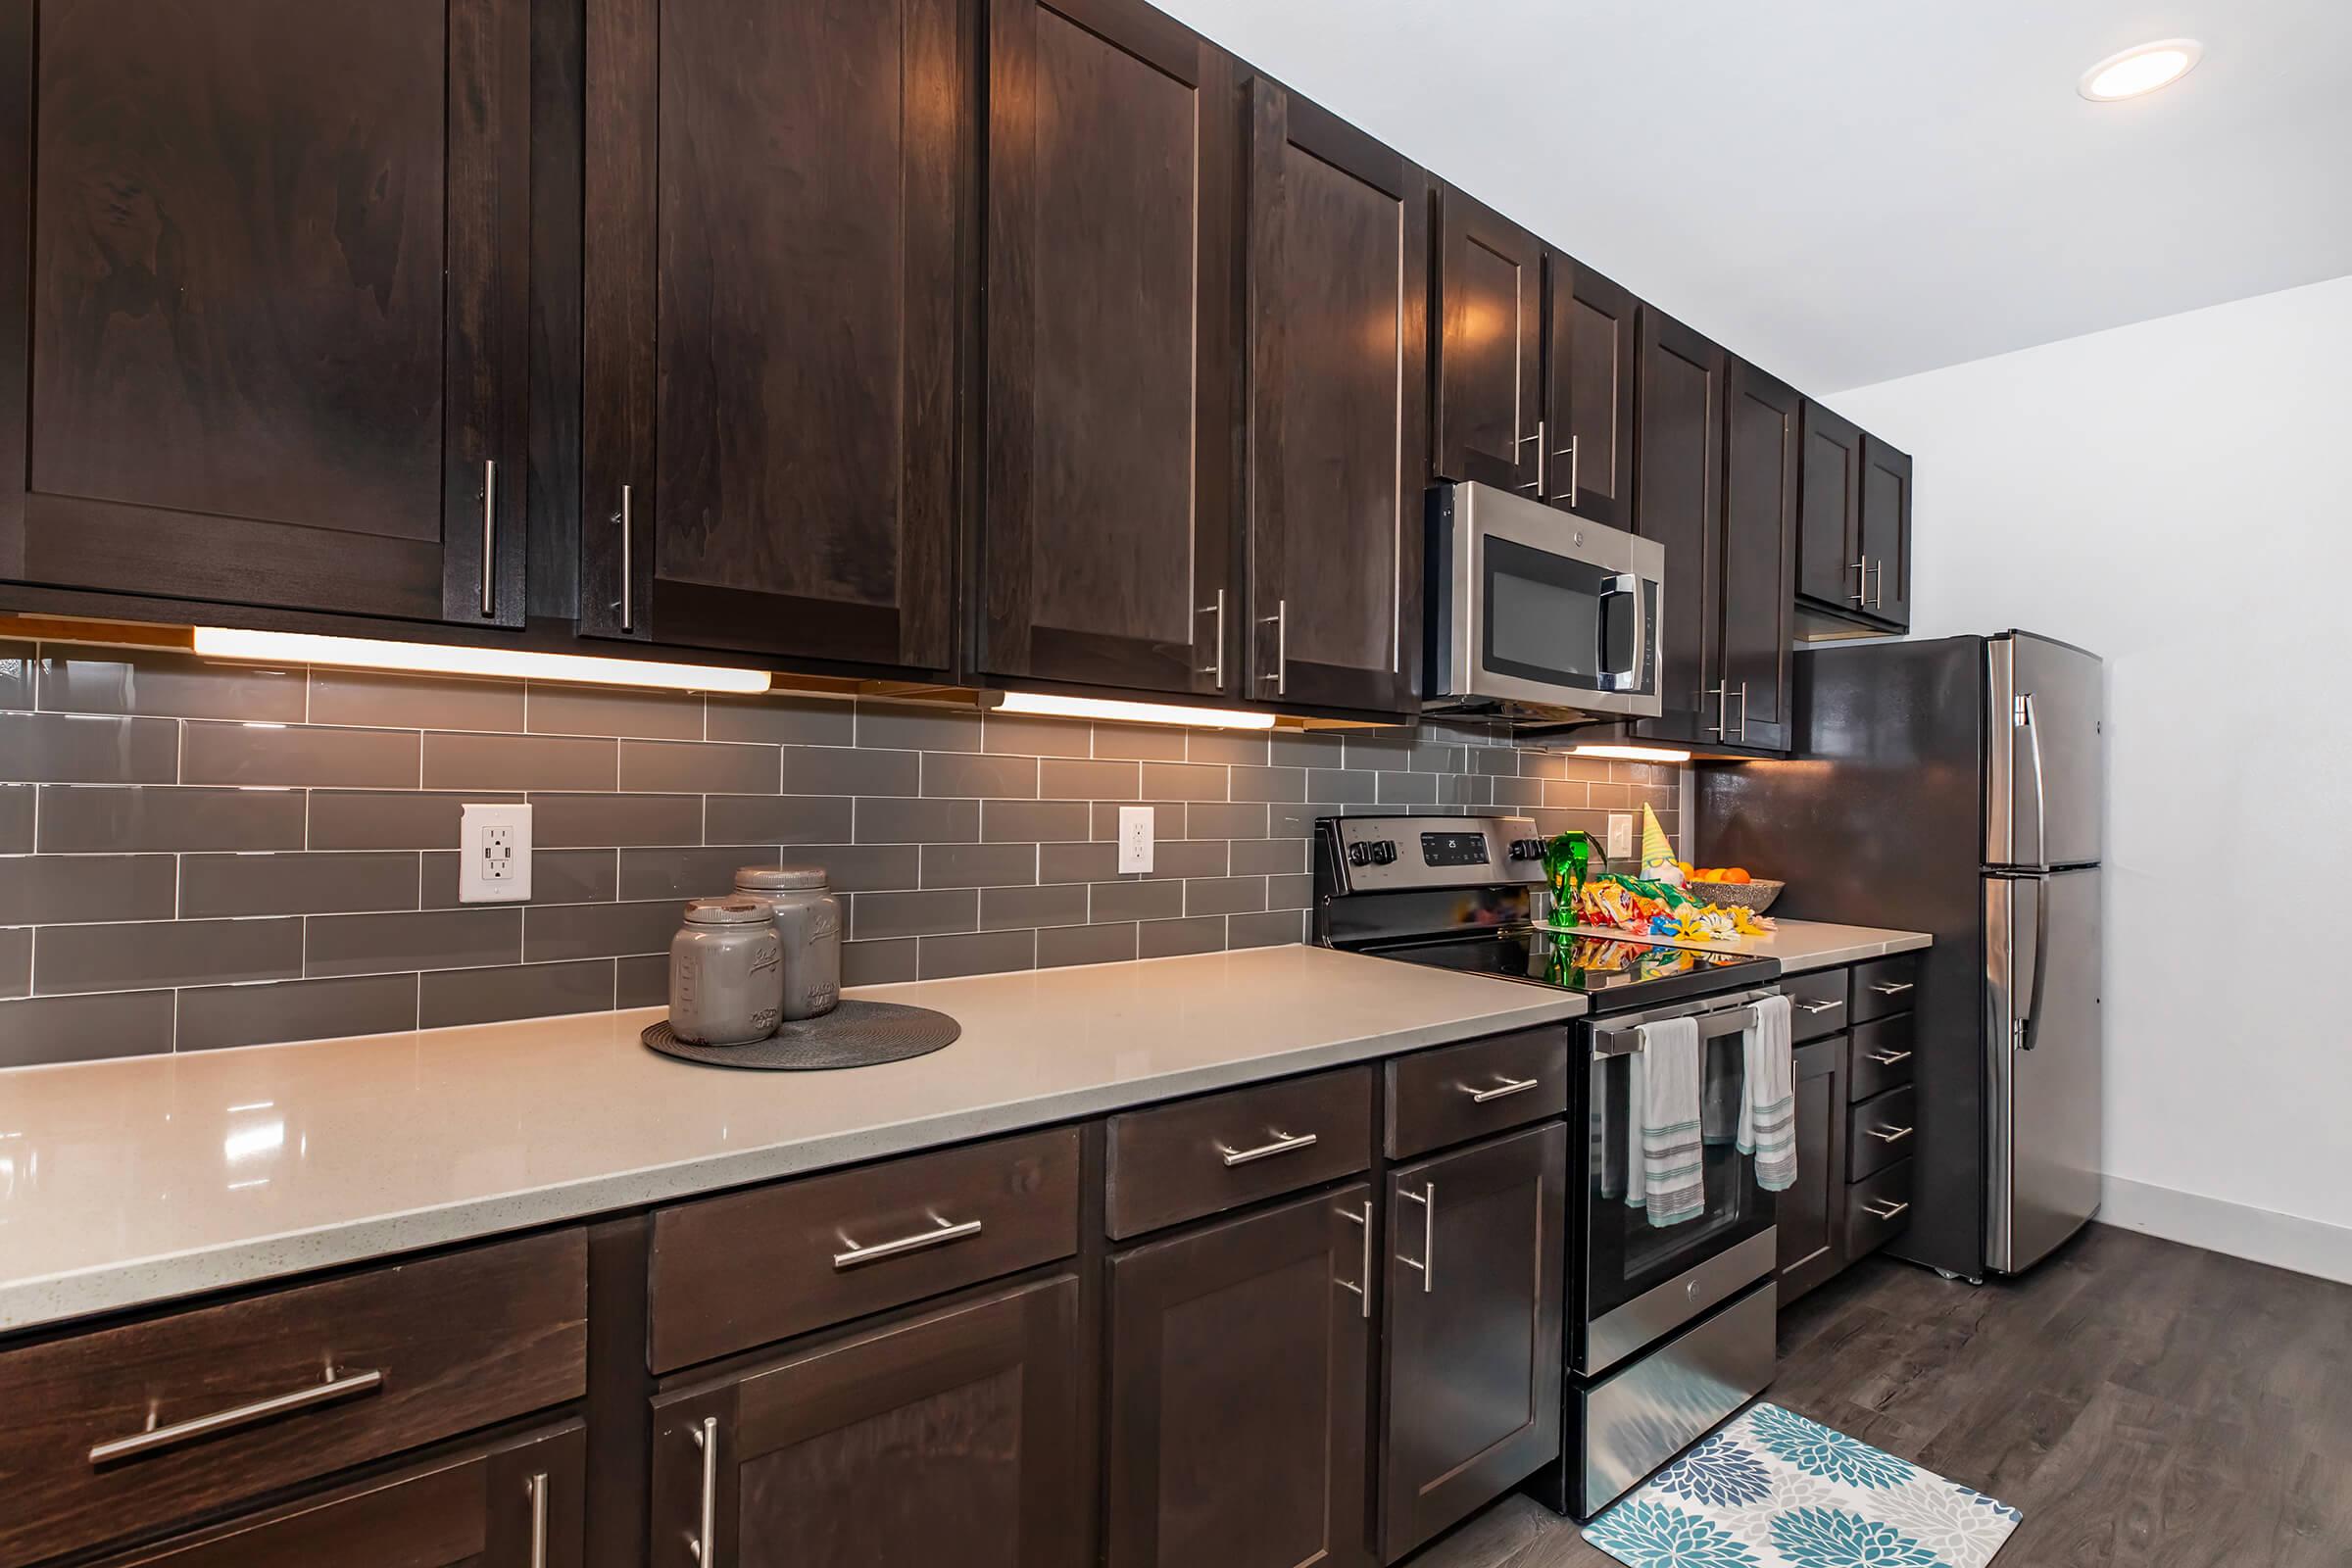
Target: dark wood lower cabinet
x,y
509,1505
1476,1270
1811,1216
949,1437
1238,1373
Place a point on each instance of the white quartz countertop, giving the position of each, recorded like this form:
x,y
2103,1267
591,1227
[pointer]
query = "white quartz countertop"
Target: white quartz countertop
x,y
1801,944
140,1180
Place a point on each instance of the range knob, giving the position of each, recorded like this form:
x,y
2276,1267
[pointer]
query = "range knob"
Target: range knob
x,y
1360,854
1527,848
1383,851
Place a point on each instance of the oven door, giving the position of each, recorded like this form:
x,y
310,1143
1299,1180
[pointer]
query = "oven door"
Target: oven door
x,y
1642,1281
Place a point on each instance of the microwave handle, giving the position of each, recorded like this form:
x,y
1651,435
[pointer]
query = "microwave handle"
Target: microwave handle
x,y
1628,679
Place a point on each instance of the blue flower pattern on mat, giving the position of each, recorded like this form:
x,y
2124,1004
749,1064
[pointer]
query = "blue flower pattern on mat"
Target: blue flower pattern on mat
x,y
1651,1535
1994,1504
1718,1471
1819,1451
1831,1537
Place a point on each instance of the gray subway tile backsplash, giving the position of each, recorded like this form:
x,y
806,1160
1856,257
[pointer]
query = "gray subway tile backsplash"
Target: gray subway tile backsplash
x,y
287,839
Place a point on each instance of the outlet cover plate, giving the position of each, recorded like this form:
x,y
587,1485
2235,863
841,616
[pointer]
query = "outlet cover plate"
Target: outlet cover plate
x,y
1135,838
494,853
1621,835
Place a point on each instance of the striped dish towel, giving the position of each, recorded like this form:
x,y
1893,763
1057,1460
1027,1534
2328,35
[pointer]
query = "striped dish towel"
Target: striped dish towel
x,y
1768,1110
1664,1132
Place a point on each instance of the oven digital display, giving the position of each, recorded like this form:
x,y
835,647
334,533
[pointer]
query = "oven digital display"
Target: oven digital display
x,y
1453,849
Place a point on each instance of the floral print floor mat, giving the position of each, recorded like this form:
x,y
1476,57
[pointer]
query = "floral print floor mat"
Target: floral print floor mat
x,y
1774,1490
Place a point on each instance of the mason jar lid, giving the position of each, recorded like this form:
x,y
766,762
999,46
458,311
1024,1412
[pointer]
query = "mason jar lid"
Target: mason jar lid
x,y
778,878
725,911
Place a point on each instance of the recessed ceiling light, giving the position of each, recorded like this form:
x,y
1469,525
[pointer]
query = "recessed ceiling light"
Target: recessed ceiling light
x,y
2140,70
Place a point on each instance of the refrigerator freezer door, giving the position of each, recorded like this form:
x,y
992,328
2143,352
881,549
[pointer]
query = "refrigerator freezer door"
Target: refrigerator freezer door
x,y
2043,1118
2045,764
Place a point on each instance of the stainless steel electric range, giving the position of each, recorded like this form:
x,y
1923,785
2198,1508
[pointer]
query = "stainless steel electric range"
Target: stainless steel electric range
x,y
1670,1329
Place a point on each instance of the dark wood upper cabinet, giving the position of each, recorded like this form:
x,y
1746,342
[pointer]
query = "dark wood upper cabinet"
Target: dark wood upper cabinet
x,y
949,1437
1108,544
1477,1252
1237,1391
1887,530
777,215
1829,525
1591,350
1337,307
274,303
1678,452
1810,1216
1752,581
1489,302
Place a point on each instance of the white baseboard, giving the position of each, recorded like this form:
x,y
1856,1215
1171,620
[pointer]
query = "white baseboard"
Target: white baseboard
x,y
2282,1241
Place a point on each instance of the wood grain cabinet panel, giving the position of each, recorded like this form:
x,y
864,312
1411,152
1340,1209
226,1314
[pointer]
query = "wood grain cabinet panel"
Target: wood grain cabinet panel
x,y
1679,457
1810,1216
1238,1391
454,1341
1477,1252
1886,529
1110,535
1474,1089
1339,284
952,1437
1592,350
1753,573
506,1504
779,212
1200,1156
277,293
1829,528
1489,302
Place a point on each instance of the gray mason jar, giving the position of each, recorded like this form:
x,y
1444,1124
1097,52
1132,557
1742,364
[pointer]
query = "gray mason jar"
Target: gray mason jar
x,y
727,973
809,924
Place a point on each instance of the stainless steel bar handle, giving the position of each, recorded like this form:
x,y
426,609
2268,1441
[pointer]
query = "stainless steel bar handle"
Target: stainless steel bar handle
x,y
1537,484
1887,1058
1889,1135
1743,710
1426,1198
1722,711
336,1387
1216,659
1283,1143
1363,1292
1890,988
704,1544
1280,620
1889,1212
1862,593
1877,599
1508,1085
947,1231
1569,452
489,535
1830,1006
538,1493
629,572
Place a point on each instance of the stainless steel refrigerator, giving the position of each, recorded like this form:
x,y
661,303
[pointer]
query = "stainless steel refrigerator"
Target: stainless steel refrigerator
x,y
1957,787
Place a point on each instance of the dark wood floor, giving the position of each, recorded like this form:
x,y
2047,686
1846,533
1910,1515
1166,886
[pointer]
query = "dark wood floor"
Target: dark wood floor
x,y
2146,1404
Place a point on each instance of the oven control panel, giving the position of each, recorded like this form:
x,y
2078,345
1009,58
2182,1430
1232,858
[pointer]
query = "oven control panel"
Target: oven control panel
x,y
1393,854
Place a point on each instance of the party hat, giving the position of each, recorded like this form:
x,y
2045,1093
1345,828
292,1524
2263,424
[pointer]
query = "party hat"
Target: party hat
x,y
1656,852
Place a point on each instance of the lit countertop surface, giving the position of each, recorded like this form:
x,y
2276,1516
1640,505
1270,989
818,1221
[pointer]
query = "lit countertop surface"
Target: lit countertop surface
x,y
1801,944
144,1179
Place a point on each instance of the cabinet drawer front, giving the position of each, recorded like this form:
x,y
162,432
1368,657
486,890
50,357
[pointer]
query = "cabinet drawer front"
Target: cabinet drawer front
x,y
1883,1130
1178,1162
191,1412
1463,1091
1878,1209
1818,1003
1886,986
1883,1058
748,1268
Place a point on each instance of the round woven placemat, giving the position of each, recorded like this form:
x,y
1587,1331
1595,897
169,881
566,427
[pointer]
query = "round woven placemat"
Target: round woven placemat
x,y
854,1034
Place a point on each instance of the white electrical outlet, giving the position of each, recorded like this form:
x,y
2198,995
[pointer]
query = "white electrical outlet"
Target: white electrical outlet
x,y
1621,835
493,854
1135,838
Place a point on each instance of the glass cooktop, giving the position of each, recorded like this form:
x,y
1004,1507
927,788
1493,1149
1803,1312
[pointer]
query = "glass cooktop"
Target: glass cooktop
x,y
1615,972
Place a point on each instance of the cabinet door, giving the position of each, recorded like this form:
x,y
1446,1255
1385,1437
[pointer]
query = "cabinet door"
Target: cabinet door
x,y
1678,449
1238,1391
1887,530
513,1504
1108,550
1490,346
1588,405
950,1438
1753,579
276,295
1477,1255
1829,525
1338,300
1811,1216
776,199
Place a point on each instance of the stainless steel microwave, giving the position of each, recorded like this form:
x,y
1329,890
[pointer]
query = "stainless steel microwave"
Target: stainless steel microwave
x,y
1535,613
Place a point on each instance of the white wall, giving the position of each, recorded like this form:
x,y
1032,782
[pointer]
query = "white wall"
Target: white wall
x,y
2177,495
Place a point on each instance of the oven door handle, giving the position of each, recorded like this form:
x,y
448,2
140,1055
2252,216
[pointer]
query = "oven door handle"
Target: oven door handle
x,y
1711,1026
1628,679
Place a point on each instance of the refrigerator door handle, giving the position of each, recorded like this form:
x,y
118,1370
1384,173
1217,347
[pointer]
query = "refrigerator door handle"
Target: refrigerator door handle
x,y
2041,961
2041,798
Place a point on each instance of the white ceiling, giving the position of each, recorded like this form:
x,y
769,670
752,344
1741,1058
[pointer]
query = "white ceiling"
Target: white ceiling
x,y
1846,191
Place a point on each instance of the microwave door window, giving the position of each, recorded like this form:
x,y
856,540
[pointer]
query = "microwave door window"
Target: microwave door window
x,y
1545,617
